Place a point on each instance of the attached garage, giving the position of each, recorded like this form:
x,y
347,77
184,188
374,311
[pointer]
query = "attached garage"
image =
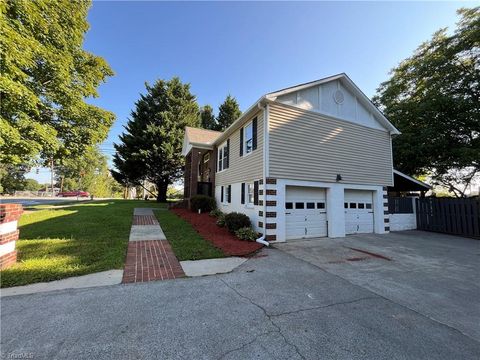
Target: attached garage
x,y
305,212
358,212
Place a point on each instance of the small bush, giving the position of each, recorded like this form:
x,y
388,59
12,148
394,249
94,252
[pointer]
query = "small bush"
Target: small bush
x,y
202,202
247,233
235,221
221,220
216,213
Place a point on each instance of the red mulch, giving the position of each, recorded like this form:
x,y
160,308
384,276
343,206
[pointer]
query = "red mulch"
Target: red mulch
x,y
220,237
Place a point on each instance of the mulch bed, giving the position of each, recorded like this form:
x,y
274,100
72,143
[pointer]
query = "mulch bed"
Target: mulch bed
x,y
220,237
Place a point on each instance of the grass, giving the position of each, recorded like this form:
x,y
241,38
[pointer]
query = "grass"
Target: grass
x,y
59,241
186,243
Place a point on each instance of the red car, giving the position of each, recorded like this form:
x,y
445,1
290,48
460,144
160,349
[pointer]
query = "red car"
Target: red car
x,y
75,193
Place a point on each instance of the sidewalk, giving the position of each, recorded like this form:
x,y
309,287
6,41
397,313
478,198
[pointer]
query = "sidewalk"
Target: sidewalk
x,y
149,255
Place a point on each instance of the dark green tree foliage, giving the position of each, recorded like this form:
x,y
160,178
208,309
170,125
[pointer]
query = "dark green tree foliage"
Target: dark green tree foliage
x,y
46,77
433,99
228,112
88,172
151,146
207,118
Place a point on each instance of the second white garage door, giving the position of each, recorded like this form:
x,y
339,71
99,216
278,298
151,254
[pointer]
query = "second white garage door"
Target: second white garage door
x,y
305,212
358,211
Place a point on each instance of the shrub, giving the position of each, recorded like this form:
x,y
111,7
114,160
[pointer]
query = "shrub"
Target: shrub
x,y
202,202
216,213
247,233
235,221
221,220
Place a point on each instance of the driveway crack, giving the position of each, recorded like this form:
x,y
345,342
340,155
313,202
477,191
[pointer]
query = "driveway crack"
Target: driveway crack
x,y
268,316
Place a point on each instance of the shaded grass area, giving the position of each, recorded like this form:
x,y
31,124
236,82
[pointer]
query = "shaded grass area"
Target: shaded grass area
x,y
186,243
59,241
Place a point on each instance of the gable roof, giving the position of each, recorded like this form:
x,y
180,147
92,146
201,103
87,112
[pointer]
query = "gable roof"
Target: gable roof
x,y
201,136
350,85
208,140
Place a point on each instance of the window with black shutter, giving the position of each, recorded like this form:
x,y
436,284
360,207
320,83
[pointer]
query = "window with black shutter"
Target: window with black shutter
x,y
241,142
227,156
255,132
255,193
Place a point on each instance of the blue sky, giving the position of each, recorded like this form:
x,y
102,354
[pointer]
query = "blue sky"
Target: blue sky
x,y
248,49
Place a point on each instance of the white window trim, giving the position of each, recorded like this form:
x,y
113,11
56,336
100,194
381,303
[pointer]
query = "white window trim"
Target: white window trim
x,y
225,197
244,145
221,149
249,204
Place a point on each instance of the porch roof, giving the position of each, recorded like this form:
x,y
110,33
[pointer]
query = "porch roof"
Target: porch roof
x,y
404,182
199,138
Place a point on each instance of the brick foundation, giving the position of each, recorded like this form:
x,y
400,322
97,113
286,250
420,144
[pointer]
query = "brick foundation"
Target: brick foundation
x,y
9,215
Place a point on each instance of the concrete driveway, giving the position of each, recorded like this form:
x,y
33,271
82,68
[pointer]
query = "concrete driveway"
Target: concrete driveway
x,y
271,307
433,274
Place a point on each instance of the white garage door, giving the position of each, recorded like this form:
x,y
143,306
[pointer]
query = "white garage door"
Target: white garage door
x,y
358,211
305,212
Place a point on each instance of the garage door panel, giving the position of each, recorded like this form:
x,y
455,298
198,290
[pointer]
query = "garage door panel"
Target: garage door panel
x,y
305,212
358,212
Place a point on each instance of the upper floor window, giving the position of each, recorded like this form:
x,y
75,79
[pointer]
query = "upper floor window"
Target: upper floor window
x,y
223,157
248,139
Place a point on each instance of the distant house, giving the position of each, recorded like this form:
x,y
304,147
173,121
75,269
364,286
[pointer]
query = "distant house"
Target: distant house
x,y
308,161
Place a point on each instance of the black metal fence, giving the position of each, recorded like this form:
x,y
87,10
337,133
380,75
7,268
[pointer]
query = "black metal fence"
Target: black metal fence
x,y
400,205
450,216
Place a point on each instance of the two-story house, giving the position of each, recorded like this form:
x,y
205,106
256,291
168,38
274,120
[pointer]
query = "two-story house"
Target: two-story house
x,y
311,160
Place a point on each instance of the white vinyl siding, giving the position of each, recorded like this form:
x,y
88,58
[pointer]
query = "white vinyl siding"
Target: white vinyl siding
x,y
244,168
309,146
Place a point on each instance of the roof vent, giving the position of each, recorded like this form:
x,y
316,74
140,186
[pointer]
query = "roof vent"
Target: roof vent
x,y
338,97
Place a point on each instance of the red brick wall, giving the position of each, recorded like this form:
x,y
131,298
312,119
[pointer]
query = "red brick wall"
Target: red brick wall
x,y
9,213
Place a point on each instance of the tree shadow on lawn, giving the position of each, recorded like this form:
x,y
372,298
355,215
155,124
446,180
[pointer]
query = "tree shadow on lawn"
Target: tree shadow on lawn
x,y
71,241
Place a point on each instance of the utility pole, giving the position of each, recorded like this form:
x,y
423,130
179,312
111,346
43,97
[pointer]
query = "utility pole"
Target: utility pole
x,y
51,176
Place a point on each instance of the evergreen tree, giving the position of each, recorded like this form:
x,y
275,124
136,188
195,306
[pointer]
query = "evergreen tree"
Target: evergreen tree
x,y
151,146
207,118
228,112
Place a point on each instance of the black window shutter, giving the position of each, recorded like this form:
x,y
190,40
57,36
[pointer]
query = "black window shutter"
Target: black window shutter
x,y
255,193
254,133
229,193
227,157
241,142
243,193
221,194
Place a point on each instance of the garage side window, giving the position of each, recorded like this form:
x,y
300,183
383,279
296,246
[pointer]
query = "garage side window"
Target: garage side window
x,y
299,205
288,205
368,205
353,205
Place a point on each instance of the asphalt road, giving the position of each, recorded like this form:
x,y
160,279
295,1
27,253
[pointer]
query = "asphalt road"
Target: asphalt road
x,y
272,307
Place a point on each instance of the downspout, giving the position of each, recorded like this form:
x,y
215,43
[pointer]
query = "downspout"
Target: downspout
x,y
261,239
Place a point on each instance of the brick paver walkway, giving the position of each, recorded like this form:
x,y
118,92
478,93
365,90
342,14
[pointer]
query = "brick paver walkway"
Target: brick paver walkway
x,y
149,259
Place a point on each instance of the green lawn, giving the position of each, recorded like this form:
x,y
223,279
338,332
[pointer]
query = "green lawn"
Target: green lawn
x,y
70,240
186,243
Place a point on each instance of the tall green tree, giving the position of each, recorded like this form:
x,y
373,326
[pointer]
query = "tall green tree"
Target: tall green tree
x,y
207,118
228,112
433,97
46,77
151,146
88,172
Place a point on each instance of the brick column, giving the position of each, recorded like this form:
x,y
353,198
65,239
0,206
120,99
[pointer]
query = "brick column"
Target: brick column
x,y
9,215
268,197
